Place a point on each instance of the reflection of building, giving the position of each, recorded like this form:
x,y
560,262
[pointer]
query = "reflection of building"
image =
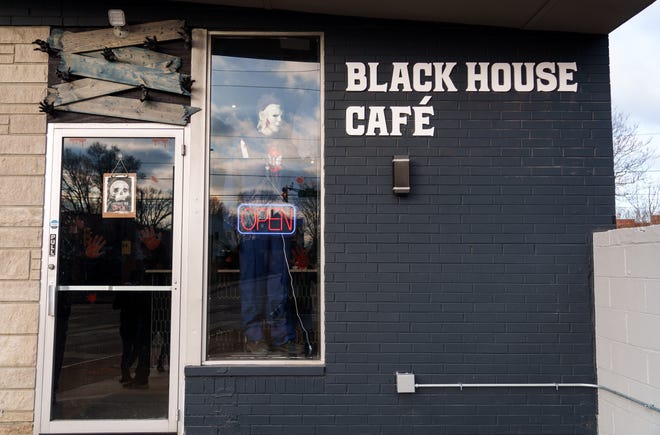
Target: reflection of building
x,y
480,275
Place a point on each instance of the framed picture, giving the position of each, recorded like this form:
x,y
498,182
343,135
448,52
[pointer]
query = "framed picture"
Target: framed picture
x,y
119,197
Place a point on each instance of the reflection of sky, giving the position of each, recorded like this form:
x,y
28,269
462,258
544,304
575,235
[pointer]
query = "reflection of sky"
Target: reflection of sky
x,y
241,87
156,156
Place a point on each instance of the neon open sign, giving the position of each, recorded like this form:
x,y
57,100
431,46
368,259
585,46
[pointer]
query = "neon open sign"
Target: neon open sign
x,y
266,219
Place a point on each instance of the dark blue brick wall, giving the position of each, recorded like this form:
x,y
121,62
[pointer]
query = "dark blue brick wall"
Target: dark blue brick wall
x,y
481,275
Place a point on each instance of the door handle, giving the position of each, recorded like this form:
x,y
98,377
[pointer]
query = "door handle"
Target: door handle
x,y
50,300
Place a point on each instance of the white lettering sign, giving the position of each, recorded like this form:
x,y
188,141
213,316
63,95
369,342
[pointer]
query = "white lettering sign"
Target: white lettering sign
x,y
436,77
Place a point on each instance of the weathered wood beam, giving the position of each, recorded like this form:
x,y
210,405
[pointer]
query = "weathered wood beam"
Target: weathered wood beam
x,y
135,75
129,108
142,57
83,89
78,42
55,39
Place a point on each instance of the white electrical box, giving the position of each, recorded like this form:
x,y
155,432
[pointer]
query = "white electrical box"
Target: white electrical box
x,y
405,382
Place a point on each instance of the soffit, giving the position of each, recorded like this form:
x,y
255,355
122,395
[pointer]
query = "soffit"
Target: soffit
x,y
583,16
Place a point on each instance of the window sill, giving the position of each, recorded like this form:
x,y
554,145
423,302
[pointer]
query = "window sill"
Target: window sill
x,y
254,370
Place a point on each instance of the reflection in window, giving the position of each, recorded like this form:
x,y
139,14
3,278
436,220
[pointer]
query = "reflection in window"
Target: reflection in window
x,y
116,251
102,337
264,204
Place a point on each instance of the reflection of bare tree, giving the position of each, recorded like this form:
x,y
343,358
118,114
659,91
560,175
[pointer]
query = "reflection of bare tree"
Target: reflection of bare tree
x,y
216,207
82,176
154,208
308,205
224,234
82,181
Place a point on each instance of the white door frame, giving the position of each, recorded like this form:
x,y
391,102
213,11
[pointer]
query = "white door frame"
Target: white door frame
x,y
43,424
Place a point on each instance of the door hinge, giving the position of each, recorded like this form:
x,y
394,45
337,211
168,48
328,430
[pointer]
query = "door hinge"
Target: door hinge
x,y
178,415
183,150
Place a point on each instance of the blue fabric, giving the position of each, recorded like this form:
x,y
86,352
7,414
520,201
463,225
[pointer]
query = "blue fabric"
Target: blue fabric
x,y
264,288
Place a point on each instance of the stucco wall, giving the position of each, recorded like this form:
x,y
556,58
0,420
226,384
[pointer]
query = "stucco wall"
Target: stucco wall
x,y
627,292
23,74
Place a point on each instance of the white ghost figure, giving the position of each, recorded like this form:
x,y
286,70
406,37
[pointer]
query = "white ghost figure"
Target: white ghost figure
x,y
270,119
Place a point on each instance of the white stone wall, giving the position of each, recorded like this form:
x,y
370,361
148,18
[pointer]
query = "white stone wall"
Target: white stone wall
x,y
23,78
627,297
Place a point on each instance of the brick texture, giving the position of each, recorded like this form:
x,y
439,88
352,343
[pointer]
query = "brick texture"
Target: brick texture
x,y
627,309
481,274
23,74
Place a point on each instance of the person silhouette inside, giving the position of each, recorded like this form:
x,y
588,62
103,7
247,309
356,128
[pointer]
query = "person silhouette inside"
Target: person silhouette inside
x,y
264,284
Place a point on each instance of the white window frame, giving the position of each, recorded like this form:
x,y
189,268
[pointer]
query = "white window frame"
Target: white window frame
x,y
195,267
46,333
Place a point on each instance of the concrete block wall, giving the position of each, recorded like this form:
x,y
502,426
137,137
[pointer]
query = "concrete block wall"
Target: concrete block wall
x,y
23,73
627,300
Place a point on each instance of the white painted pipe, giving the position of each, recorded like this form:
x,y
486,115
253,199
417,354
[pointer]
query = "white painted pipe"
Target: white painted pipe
x,y
556,386
406,384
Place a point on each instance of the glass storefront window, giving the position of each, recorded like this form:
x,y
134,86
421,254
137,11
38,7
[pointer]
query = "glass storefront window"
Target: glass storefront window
x,y
114,276
118,250
264,202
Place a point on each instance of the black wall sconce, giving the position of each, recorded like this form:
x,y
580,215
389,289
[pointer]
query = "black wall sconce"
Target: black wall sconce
x,y
401,175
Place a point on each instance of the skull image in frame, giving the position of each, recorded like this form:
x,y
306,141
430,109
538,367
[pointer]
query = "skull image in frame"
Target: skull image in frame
x,y
119,191
119,195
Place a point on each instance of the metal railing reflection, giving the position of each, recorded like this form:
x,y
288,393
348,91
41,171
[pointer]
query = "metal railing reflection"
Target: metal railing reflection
x,y
225,338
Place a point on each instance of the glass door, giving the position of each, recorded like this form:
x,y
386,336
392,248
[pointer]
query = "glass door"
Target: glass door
x,y
112,238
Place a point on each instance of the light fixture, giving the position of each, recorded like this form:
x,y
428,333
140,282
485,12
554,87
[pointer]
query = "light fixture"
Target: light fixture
x,y
401,175
117,20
